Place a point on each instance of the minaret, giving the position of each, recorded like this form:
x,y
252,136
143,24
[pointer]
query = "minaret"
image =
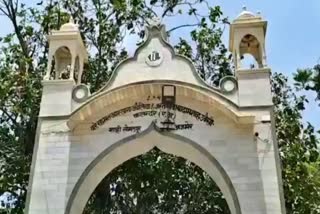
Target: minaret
x,y
66,58
247,36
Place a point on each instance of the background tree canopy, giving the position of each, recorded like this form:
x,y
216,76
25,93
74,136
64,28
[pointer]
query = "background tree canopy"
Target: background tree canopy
x,y
157,182
105,26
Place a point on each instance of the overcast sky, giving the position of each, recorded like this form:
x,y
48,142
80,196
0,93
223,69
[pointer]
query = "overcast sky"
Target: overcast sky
x,y
292,36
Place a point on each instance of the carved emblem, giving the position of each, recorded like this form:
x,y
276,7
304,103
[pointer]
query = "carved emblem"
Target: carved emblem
x,y
154,58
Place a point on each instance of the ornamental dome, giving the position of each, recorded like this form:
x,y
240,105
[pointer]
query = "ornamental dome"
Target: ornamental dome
x,y
245,14
70,26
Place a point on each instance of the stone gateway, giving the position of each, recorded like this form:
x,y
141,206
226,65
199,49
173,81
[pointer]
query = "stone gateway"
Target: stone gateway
x,y
156,99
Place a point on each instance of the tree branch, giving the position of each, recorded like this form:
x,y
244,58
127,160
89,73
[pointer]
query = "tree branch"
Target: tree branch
x,y
11,10
182,26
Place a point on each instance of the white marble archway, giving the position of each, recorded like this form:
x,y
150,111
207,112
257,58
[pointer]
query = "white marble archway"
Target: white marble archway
x,y
141,143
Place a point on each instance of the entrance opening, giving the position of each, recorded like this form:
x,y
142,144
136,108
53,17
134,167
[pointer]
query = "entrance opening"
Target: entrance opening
x,y
157,182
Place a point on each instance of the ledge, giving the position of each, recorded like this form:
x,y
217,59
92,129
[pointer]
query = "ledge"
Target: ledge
x,y
58,82
253,73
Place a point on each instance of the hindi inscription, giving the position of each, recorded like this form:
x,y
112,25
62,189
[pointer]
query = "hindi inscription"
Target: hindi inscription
x,y
153,110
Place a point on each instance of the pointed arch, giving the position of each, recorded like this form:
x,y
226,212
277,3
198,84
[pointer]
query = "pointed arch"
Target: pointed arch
x,y
141,143
249,44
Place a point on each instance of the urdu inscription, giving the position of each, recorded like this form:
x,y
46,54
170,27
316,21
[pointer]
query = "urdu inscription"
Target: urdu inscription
x,y
152,106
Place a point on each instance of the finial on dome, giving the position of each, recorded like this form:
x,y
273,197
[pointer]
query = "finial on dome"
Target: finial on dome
x,y
244,8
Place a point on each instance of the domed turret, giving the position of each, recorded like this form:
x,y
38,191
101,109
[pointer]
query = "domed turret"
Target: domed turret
x,y
247,36
247,44
67,53
70,26
246,16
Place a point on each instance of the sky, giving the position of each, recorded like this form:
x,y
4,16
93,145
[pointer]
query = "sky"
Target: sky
x,y
292,39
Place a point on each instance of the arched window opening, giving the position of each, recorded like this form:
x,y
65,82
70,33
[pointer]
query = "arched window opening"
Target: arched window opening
x,y
250,52
61,64
157,182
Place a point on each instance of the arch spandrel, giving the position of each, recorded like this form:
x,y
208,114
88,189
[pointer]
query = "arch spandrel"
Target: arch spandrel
x,y
123,97
137,144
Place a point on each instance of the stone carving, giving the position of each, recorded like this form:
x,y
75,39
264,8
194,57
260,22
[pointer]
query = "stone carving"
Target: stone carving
x,y
154,58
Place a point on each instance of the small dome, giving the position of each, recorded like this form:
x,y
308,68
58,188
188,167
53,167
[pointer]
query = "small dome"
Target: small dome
x,y
70,26
245,14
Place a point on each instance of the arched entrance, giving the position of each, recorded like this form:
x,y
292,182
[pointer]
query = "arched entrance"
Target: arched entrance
x,y
157,182
139,144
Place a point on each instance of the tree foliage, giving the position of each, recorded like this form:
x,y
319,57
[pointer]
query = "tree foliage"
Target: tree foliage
x,y
298,144
309,80
105,25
